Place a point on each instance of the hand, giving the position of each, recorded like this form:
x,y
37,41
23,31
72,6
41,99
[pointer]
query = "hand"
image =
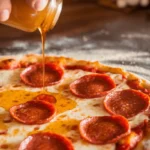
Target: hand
x,y
124,3
5,7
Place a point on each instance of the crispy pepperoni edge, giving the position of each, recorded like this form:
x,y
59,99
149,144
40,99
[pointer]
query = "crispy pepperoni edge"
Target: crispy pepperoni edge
x,y
61,138
78,81
119,119
137,92
54,67
40,103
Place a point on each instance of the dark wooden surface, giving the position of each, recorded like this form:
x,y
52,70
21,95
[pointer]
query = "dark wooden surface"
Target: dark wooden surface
x,y
88,31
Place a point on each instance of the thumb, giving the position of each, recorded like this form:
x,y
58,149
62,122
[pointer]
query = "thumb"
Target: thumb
x,y
5,9
37,4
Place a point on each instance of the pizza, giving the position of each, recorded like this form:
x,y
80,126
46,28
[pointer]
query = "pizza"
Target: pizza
x,y
83,105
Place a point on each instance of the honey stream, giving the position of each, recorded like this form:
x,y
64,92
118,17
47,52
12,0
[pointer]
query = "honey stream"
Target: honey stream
x,y
43,38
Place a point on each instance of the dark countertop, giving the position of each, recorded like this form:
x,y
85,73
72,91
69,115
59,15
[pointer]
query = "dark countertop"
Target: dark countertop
x,y
87,31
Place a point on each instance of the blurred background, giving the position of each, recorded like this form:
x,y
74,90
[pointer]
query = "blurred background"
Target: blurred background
x,y
112,32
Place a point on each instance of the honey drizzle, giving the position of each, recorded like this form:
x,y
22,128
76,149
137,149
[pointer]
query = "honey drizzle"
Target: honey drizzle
x,y
43,38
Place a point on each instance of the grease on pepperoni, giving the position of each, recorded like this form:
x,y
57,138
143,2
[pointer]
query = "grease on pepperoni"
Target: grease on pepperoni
x,y
92,86
104,130
45,97
33,75
33,112
127,103
46,141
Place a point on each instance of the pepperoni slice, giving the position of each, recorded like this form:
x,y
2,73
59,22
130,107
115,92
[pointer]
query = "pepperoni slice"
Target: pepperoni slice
x,y
9,64
46,141
129,142
127,103
3,132
103,130
33,112
92,86
33,75
46,97
135,84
